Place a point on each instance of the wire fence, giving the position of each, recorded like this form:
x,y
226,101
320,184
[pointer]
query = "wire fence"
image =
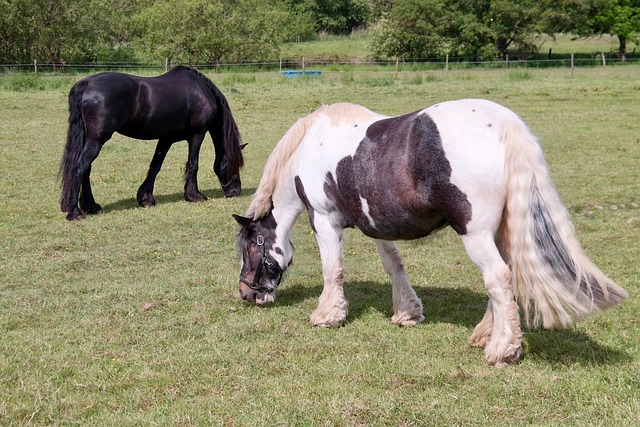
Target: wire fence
x,y
446,63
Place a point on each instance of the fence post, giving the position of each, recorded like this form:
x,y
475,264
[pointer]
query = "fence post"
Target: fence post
x,y
572,65
166,64
303,66
604,60
35,66
397,64
446,64
506,60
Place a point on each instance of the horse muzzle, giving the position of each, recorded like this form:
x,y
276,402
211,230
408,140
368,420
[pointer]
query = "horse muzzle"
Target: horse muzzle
x,y
256,296
232,188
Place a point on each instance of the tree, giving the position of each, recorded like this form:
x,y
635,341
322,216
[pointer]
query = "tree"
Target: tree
x,y
619,18
13,32
36,29
412,30
299,23
335,16
480,28
58,31
209,31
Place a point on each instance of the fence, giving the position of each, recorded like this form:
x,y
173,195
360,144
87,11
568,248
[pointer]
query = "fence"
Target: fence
x,y
446,63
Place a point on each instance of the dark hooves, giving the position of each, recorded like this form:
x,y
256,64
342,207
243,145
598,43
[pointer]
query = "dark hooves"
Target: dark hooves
x,y
75,216
93,209
198,197
147,202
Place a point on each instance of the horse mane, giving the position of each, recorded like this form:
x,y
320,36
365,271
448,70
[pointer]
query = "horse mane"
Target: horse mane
x,y
201,76
277,165
231,134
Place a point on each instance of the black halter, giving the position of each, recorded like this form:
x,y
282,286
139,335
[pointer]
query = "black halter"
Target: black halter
x,y
264,263
226,185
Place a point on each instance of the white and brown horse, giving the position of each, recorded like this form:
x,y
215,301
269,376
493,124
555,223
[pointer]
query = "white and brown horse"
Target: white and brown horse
x,y
471,164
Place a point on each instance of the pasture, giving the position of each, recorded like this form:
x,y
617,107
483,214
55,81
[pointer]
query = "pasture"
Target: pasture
x,y
131,317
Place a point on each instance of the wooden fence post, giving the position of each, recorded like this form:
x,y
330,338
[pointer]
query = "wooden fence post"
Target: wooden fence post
x,y
604,60
35,66
572,65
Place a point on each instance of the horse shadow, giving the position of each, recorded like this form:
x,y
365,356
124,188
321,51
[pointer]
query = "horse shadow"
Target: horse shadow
x,y
553,346
132,203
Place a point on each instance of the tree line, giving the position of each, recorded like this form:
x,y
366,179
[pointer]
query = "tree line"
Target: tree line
x,y
215,31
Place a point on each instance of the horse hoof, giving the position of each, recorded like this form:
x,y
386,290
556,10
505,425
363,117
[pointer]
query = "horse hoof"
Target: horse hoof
x,y
512,356
75,216
410,314
93,210
331,319
147,203
199,197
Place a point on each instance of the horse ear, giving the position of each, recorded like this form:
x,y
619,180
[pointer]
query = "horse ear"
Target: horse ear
x,y
243,145
242,220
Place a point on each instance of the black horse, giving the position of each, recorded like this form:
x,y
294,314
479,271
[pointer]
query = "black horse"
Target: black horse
x,y
179,105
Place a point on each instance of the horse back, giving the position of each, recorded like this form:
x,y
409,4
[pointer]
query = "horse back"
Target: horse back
x,y
412,174
172,105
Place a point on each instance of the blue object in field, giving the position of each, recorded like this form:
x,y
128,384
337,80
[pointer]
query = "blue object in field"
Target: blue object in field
x,y
298,73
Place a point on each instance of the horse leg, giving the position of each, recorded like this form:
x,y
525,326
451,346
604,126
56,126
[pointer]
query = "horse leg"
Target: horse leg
x,y
332,305
87,202
145,192
191,192
482,332
504,341
81,178
407,307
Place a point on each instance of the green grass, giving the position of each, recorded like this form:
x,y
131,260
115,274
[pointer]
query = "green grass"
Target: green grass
x,y
354,47
567,43
130,317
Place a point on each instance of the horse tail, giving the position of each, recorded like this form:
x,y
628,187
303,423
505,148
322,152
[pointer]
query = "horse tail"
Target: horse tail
x,y
75,144
553,279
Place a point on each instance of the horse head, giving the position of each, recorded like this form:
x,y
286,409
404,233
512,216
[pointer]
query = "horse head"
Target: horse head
x,y
229,180
264,259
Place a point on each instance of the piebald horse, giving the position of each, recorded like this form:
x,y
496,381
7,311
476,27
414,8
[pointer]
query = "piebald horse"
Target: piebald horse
x,y
471,164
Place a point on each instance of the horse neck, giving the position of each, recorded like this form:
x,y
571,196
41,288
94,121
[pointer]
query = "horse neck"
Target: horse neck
x,y
287,208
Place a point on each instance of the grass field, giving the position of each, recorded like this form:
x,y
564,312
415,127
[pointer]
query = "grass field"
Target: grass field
x,y
131,317
357,46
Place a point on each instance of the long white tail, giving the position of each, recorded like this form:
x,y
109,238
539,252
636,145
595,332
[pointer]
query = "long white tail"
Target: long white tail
x,y
553,279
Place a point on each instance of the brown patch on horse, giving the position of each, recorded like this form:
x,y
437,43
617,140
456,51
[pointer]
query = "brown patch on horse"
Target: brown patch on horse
x,y
409,194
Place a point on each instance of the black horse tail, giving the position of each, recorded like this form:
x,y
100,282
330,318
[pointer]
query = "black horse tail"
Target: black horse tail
x,y
73,149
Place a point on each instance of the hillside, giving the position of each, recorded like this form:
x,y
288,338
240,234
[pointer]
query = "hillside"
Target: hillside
x,y
356,47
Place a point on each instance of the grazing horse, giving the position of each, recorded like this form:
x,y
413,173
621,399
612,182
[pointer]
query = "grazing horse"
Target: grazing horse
x,y
470,164
179,105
